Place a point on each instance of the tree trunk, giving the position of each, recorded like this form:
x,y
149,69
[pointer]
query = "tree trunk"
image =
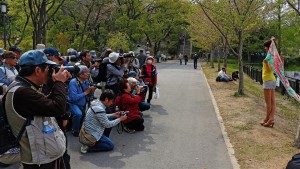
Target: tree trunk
x,y
240,60
225,56
219,59
249,56
212,57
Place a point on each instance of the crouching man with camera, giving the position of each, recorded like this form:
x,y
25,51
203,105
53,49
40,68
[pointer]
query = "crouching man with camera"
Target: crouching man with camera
x,y
96,120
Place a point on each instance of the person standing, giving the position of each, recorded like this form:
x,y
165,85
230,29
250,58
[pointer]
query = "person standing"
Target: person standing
x,y
149,72
8,71
185,59
53,55
141,57
195,57
79,94
269,85
180,58
25,102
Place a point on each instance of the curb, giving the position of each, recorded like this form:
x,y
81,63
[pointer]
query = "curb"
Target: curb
x,y
229,146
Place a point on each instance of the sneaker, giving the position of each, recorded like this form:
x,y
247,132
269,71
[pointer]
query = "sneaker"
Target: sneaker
x,y
128,130
84,149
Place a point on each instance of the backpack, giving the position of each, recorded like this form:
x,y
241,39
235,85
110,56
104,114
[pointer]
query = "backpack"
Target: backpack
x,y
294,163
102,73
8,140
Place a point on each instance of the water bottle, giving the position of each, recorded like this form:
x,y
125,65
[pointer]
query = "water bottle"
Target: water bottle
x,y
117,109
47,128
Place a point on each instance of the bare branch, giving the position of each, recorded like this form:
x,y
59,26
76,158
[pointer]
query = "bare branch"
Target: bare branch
x,y
221,32
293,6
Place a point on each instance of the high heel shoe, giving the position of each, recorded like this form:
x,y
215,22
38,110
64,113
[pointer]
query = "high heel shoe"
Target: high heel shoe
x,y
270,123
263,122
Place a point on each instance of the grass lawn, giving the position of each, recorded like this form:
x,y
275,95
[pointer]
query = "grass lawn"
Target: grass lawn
x,y
256,147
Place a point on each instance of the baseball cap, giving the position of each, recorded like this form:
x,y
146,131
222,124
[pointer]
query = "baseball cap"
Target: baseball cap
x,y
33,58
51,52
93,53
132,74
15,49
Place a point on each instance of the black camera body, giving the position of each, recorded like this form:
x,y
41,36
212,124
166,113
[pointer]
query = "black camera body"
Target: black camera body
x,y
74,70
128,55
123,113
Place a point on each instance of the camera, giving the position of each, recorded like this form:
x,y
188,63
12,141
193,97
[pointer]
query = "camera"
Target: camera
x,y
96,60
128,55
71,58
74,70
123,113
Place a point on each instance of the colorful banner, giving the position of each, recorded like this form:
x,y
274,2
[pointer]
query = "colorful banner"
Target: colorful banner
x,y
275,62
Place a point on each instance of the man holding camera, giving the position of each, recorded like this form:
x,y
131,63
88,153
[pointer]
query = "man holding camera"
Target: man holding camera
x,y
97,121
53,55
8,72
79,94
26,102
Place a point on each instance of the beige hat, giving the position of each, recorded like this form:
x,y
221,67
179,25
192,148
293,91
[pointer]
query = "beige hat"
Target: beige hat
x,y
150,57
40,46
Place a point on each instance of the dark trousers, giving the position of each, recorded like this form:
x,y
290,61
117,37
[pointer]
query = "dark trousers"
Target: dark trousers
x,y
114,88
150,93
57,164
195,64
180,60
137,124
185,61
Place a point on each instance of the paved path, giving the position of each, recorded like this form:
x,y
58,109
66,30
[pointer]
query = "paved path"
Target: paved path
x,y
182,130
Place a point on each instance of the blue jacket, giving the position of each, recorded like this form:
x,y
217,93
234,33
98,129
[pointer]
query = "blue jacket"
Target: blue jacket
x,y
76,94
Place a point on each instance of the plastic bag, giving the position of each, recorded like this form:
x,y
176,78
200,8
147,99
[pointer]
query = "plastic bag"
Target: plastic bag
x,y
156,92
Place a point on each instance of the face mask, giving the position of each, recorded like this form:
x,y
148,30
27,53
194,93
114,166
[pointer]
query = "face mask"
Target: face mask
x,y
149,61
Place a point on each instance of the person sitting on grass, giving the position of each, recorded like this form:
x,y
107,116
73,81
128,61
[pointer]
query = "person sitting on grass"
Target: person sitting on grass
x,y
235,75
223,76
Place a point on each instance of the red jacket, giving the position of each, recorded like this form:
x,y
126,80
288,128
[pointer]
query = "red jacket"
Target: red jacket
x,y
130,103
150,74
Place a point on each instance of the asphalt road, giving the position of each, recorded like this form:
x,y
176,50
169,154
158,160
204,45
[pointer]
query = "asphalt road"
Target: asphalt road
x,y
182,130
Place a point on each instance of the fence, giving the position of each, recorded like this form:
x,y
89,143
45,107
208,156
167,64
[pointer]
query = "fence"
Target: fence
x,y
256,74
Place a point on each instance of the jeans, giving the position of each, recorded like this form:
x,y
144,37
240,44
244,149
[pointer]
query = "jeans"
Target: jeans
x,y
224,79
104,144
180,60
77,117
143,106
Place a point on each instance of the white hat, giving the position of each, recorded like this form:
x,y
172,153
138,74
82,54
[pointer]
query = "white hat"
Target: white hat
x,y
131,80
113,57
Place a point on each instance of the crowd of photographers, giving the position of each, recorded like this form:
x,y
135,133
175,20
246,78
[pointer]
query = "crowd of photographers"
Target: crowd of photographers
x,y
124,81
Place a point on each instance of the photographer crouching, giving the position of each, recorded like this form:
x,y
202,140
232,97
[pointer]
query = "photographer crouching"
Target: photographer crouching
x,y
96,121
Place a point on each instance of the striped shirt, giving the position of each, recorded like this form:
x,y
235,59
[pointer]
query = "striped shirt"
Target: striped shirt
x,y
95,122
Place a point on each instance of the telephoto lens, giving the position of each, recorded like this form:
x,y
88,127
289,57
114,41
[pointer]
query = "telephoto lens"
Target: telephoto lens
x,y
74,70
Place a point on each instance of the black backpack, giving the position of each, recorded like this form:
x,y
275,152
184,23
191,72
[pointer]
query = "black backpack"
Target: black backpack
x,y
102,73
294,163
8,140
